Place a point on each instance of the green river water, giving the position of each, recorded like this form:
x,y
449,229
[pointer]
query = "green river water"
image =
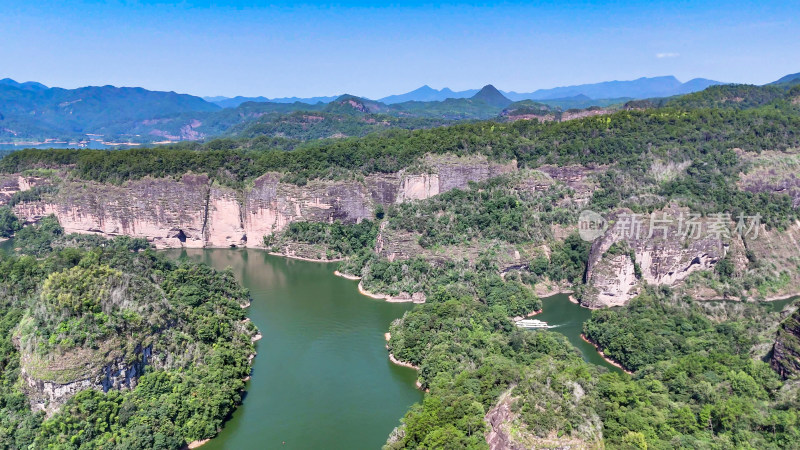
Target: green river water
x,y
322,377
568,318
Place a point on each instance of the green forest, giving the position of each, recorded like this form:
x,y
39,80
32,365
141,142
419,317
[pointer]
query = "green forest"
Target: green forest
x,y
699,373
697,383
70,294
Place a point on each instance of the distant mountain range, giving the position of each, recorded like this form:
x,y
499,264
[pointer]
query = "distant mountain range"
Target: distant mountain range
x,y
640,88
428,94
32,112
788,79
226,102
29,85
665,86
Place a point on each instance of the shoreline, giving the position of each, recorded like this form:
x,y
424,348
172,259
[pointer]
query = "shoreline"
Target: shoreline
x,y
385,297
603,355
396,361
197,444
544,292
530,314
402,363
300,258
346,276
363,291
778,298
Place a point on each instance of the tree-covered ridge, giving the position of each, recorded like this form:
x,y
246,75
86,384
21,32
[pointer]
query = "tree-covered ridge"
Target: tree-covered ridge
x,y
624,137
87,295
502,208
739,96
469,355
305,125
697,382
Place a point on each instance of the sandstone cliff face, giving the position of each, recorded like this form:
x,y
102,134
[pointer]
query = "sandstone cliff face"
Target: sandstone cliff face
x,y
194,212
169,213
612,276
11,184
786,350
48,396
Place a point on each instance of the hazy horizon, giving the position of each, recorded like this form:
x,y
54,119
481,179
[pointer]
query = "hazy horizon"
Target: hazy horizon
x,y
240,48
289,95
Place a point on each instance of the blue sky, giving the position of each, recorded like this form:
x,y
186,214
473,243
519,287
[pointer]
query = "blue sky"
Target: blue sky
x,y
375,49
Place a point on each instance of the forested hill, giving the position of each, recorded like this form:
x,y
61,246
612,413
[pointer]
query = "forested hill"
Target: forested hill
x,y
38,110
479,255
79,315
34,112
621,138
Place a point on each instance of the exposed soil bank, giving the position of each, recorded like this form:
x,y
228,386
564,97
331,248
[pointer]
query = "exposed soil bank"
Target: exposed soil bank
x,y
402,363
415,298
347,276
530,314
302,258
608,360
394,360
199,443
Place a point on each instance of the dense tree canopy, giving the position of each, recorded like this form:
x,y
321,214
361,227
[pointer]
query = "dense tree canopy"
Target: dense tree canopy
x,y
120,294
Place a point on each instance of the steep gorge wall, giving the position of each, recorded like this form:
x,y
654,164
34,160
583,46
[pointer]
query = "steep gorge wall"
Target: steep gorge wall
x,y
663,258
121,373
169,213
195,212
786,350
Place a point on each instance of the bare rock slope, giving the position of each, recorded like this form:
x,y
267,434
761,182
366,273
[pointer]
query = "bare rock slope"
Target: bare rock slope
x,y
195,212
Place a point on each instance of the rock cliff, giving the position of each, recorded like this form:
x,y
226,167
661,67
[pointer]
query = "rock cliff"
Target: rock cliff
x,y
628,254
120,373
786,350
13,183
506,431
193,211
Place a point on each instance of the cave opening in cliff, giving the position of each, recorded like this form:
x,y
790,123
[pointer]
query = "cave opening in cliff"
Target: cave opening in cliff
x,y
181,236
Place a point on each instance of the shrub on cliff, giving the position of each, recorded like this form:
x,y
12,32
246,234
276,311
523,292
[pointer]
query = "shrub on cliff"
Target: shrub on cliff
x,y
9,224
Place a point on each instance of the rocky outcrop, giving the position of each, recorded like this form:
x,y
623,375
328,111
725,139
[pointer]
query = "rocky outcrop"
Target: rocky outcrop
x,y
167,212
507,432
498,420
195,212
13,183
786,350
48,395
627,254
573,114
772,172
576,177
